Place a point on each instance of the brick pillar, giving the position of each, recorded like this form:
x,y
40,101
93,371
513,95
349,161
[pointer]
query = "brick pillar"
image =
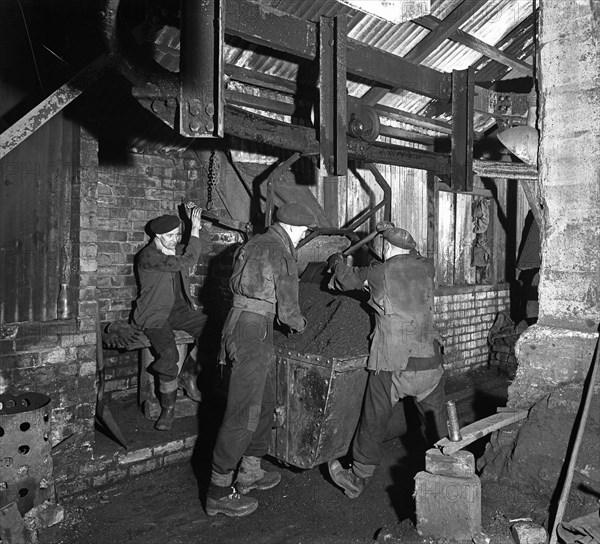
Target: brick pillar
x,y
559,348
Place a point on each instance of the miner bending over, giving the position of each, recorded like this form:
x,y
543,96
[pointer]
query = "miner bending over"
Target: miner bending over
x,y
404,359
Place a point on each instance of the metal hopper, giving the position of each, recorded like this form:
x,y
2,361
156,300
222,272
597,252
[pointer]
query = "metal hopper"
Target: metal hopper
x,y
318,406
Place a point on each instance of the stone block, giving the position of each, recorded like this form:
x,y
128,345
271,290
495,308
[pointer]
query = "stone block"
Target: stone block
x,y
460,464
527,532
448,507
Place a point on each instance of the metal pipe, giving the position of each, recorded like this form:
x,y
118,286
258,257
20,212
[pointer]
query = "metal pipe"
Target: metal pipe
x,y
387,191
453,425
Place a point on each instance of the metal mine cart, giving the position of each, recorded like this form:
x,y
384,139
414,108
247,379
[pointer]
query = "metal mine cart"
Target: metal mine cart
x,y
318,406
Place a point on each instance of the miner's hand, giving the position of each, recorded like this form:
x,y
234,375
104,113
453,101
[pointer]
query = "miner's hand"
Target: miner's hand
x,y
333,260
384,225
301,328
118,335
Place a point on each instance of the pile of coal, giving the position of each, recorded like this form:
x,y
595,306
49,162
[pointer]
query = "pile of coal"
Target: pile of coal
x,y
339,324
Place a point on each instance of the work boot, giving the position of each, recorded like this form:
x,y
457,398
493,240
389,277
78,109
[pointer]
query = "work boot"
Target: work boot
x,y
167,413
251,476
352,484
187,383
222,498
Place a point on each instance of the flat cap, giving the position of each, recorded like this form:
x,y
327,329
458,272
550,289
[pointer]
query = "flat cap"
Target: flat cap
x,y
295,214
400,238
164,224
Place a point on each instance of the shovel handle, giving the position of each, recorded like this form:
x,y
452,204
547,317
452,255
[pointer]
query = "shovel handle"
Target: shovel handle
x,y
381,226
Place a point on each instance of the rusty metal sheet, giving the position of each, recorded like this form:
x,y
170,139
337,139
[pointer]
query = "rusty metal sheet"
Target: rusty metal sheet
x,y
26,461
318,406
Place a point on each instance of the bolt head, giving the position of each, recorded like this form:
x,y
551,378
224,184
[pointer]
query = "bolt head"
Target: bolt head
x,y
195,125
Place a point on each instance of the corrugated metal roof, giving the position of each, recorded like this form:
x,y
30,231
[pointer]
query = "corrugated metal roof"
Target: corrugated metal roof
x,y
492,23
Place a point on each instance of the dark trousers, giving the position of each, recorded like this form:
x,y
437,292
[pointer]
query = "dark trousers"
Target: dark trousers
x,y
377,410
162,339
248,419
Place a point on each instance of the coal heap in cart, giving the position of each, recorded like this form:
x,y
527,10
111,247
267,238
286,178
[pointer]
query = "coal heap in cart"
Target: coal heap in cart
x,y
320,377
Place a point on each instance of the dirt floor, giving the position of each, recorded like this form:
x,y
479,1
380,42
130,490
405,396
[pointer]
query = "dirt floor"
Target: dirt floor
x,y
164,506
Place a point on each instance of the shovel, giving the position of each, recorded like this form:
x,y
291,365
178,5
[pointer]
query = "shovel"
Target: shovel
x,y
103,416
314,272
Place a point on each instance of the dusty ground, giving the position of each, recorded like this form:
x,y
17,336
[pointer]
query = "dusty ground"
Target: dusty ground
x,y
305,508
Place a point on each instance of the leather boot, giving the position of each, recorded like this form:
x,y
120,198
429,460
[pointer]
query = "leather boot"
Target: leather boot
x,y
187,383
251,476
227,501
167,413
352,484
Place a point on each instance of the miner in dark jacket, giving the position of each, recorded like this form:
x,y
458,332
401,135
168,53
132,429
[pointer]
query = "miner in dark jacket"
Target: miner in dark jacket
x,y
264,284
404,359
164,305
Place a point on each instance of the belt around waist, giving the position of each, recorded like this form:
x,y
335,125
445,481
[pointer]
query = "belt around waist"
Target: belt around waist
x,y
254,305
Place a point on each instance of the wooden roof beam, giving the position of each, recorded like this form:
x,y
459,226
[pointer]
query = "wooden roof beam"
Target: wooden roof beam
x,y
280,31
432,41
51,105
488,51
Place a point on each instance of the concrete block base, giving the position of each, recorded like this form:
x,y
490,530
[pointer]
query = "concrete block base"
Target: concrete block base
x,y
448,507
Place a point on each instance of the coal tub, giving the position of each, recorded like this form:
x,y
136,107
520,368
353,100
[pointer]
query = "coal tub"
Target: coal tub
x,y
320,377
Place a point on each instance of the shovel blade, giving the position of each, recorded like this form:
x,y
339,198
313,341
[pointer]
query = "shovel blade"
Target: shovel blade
x,y
106,420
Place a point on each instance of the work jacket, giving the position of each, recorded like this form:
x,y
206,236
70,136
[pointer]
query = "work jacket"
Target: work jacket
x,y
265,277
158,274
401,292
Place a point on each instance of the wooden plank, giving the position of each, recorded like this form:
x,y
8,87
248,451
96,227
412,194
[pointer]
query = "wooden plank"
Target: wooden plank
x,y
534,203
432,216
52,105
414,119
236,98
501,169
428,44
277,30
460,36
479,429
518,41
444,30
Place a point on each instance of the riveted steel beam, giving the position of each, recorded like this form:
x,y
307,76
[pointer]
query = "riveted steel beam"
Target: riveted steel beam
x,y
333,121
463,91
201,69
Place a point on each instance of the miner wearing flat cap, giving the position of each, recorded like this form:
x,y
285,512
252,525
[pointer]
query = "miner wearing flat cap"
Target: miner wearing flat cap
x,y
405,356
165,305
264,284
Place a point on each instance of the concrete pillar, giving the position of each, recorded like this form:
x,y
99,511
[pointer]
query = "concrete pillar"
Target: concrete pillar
x,y
560,347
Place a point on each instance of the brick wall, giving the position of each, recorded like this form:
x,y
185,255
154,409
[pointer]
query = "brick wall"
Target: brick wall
x,y
115,202
58,357
464,316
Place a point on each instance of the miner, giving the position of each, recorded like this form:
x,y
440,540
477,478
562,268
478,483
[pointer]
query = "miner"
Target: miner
x,y
264,283
405,357
164,305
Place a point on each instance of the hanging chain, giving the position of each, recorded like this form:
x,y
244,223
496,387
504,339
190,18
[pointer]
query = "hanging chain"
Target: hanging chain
x,y
213,176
